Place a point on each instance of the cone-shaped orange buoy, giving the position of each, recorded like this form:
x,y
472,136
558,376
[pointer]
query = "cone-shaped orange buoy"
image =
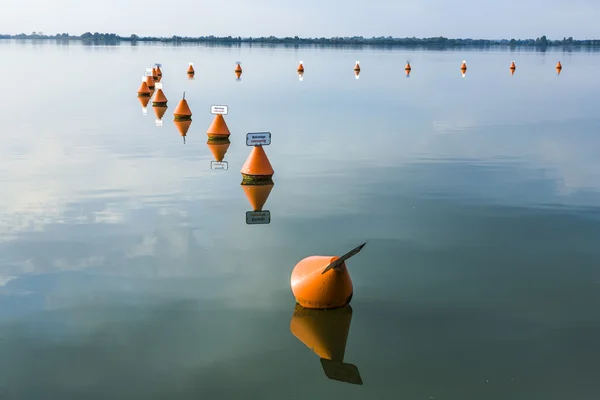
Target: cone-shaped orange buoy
x,y
218,149
558,65
218,128
257,195
190,70
183,127
301,67
154,74
513,66
357,66
150,82
323,282
159,111
407,67
160,100
238,69
257,169
463,67
182,112
144,90
158,71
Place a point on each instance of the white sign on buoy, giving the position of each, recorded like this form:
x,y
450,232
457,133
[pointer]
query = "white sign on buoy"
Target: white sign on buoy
x,y
258,217
218,110
219,165
258,139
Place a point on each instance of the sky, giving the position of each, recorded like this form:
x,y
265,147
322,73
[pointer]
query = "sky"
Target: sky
x,y
486,19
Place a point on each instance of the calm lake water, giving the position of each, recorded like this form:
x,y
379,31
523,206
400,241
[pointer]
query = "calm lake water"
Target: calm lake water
x,y
127,268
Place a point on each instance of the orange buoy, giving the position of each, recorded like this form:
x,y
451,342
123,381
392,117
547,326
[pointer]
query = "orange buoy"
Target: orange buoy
x,y
183,126
218,128
325,332
182,112
463,67
160,100
218,149
558,68
357,66
150,82
158,71
238,69
301,67
160,112
408,68
513,66
257,169
154,74
257,195
323,282
190,70
144,90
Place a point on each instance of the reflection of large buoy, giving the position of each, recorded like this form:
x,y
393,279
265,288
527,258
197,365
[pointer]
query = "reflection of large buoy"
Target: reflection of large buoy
x,y
159,112
257,169
257,195
301,67
323,282
144,100
218,128
182,112
325,332
218,149
183,127
238,75
300,76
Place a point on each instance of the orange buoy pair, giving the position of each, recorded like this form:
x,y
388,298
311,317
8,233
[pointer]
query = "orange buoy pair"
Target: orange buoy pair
x,y
323,282
182,112
325,332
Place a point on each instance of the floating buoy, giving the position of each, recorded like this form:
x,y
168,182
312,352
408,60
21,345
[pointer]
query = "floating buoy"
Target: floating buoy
x,y
158,71
144,100
218,130
325,332
257,195
218,149
160,100
301,67
558,68
144,90
182,112
463,68
513,66
357,66
238,68
154,74
323,282
408,67
183,127
257,169
150,82
190,70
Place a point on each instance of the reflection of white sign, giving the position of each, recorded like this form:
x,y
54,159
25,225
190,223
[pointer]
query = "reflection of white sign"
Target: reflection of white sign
x,y
218,110
219,165
258,139
258,217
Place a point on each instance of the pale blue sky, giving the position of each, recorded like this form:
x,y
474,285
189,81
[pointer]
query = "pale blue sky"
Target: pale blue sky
x,y
308,18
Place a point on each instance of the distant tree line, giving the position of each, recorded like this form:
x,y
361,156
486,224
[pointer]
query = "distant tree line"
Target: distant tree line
x,y
439,42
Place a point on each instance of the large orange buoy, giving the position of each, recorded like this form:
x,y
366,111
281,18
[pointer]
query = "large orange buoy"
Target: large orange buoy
x,y
257,169
218,149
160,100
325,332
183,127
182,112
301,67
218,128
357,66
257,195
323,282
144,90
190,70
150,82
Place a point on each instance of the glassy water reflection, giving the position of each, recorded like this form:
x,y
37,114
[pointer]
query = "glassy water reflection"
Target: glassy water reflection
x,y
128,268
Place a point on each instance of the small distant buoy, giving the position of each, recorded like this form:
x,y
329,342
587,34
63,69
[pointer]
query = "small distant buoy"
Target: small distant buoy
x,y
182,112
150,82
218,129
237,69
159,112
218,149
144,90
160,100
158,71
323,282
325,332
512,65
183,126
558,68
154,74
301,67
408,67
463,67
190,70
257,195
357,66
257,169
